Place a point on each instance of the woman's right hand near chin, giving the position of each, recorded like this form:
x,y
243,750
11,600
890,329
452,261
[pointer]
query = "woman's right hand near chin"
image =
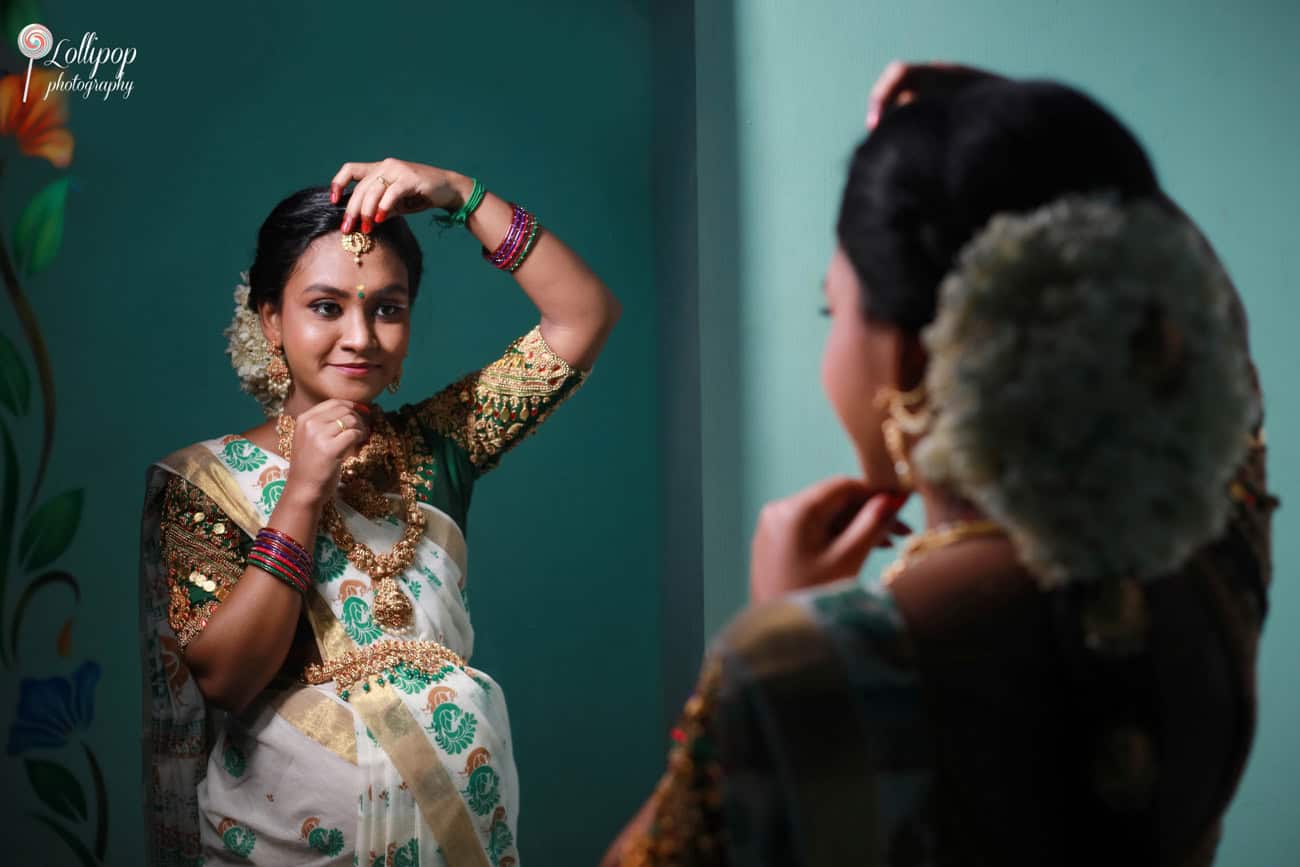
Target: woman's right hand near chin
x,y
321,437
821,534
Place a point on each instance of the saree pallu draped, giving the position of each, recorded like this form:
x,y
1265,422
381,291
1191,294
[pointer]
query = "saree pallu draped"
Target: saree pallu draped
x,y
407,763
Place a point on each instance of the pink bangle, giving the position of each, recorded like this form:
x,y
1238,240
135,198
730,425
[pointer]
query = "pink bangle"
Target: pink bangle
x,y
270,535
513,242
280,559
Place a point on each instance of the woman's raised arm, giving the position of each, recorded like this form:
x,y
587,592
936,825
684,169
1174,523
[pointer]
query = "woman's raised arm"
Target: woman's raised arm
x,y
577,309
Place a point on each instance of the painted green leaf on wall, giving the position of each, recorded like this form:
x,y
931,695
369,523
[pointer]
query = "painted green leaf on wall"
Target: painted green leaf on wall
x,y
50,529
15,382
16,15
49,579
39,229
57,788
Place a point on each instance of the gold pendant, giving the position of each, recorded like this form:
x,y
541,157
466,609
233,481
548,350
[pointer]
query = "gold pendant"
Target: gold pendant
x,y
392,608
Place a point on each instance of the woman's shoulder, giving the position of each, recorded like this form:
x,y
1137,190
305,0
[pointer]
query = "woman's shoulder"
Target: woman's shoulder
x,y
847,616
237,452
819,685
214,446
845,643
221,475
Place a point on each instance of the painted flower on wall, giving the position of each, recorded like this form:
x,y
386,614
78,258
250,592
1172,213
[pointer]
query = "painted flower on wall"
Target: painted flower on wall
x,y
53,708
40,123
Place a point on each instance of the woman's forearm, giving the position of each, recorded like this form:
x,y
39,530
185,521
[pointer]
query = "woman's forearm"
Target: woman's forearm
x,y
249,635
577,309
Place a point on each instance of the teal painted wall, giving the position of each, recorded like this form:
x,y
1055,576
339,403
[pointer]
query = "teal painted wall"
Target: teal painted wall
x,y
1209,88
236,105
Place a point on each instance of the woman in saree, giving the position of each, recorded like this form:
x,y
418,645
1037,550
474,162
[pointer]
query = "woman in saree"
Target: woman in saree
x,y
308,694
1027,335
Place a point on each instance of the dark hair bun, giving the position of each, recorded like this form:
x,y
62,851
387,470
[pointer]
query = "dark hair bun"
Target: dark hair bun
x,y
935,170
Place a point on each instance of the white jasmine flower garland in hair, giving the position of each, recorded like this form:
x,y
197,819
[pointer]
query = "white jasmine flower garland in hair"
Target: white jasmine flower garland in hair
x,y
249,352
1089,390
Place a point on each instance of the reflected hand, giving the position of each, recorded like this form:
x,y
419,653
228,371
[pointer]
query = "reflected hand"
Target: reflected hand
x,y
394,187
821,534
901,83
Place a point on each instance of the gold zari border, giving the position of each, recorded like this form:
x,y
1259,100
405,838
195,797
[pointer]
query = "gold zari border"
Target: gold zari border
x,y
317,716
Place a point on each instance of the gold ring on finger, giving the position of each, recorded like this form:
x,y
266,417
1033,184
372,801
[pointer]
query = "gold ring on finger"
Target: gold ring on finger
x,y
385,181
342,426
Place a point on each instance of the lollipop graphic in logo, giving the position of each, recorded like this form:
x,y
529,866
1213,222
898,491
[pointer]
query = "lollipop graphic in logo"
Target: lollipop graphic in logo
x,y
34,41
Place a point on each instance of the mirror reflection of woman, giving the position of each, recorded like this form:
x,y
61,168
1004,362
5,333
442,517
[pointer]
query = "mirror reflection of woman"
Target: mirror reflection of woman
x,y
307,631
1030,338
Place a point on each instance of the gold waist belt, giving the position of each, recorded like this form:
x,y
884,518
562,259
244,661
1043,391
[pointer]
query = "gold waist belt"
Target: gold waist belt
x,y
388,661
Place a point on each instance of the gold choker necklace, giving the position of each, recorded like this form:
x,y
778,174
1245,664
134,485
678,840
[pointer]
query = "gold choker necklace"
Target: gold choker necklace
x,y
938,537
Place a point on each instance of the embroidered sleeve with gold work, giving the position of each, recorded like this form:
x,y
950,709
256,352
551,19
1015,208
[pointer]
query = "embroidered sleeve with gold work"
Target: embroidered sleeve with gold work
x,y
685,827
491,410
203,552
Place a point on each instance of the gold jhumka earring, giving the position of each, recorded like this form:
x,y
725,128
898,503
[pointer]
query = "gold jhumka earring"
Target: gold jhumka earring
x,y
358,243
277,373
904,420
396,383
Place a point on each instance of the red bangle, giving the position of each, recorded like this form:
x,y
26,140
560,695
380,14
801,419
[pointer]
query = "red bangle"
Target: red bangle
x,y
277,558
290,545
277,572
293,557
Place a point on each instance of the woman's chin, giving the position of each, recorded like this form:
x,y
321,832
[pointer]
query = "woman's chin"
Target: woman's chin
x,y
358,392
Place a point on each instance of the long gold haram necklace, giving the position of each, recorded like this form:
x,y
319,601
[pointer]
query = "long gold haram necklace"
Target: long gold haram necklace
x,y
392,608
939,537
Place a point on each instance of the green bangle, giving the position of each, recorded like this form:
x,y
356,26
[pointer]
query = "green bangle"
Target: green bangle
x,y
276,571
462,214
528,246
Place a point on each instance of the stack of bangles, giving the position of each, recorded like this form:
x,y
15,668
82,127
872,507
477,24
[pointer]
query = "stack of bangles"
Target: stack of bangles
x,y
278,554
518,242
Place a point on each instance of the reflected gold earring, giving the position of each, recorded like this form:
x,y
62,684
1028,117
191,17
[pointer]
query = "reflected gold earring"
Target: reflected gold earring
x,y
396,383
903,421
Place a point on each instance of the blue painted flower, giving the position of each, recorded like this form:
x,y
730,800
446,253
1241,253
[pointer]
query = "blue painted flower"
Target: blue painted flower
x,y
51,709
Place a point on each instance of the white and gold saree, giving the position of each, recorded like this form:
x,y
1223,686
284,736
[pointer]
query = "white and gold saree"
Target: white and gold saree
x,y
403,756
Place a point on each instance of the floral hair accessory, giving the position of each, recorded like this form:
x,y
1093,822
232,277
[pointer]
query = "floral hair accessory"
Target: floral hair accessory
x,y
250,354
1090,390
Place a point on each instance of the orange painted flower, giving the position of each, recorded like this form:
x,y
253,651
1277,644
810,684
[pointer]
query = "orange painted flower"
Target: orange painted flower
x,y
40,124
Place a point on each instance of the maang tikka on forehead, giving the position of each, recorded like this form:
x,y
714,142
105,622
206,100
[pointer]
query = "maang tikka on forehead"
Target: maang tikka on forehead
x,y
358,243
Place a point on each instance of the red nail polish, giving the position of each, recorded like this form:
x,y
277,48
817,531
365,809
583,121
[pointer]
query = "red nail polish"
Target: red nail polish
x,y
365,225
380,215
334,195
347,225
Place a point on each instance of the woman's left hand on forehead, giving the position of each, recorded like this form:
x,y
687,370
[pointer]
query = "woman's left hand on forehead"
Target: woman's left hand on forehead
x,y
391,187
